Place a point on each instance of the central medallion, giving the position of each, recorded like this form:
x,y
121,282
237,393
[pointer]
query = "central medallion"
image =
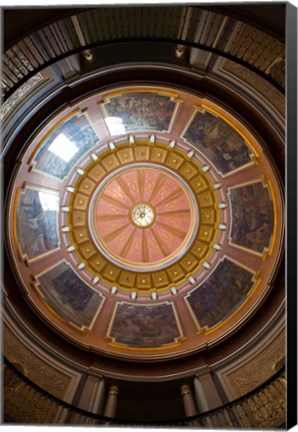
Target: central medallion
x,y
143,215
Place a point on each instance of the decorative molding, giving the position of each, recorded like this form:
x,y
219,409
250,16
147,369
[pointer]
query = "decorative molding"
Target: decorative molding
x,y
20,93
47,377
259,369
257,48
257,83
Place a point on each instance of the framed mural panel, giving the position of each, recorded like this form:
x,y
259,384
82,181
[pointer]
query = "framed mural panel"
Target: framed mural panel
x,y
63,146
65,293
253,217
36,220
221,294
139,110
145,326
218,140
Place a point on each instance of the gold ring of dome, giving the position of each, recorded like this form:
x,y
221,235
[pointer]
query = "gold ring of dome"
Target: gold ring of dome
x,y
144,216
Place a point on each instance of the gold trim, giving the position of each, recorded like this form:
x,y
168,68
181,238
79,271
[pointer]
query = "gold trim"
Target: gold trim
x,y
115,345
114,390
14,218
210,203
274,235
138,90
184,390
178,103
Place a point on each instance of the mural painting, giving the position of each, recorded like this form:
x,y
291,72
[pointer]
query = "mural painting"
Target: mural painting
x,y
36,222
144,326
69,296
221,294
138,111
253,217
223,146
64,147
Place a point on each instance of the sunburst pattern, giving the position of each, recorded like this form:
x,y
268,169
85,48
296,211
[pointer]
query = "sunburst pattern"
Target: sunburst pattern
x,y
143,216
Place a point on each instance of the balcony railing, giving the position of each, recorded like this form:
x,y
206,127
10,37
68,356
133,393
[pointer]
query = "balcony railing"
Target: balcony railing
x,y
25,402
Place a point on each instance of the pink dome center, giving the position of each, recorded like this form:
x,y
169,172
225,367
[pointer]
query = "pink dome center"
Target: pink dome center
x,y
143,216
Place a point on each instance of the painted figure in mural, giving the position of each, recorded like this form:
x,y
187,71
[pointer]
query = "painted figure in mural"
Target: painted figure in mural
x,y
69,296
142,110
218,141
72,291
36,227
253,217
144,326
78,136
221,294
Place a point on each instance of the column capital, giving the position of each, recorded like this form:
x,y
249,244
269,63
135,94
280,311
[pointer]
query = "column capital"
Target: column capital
x,y
203,371
111,404
95,374
184,389
114,390
188,401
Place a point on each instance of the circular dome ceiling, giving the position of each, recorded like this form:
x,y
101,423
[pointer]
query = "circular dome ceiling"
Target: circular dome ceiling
x,y
143,218
145,222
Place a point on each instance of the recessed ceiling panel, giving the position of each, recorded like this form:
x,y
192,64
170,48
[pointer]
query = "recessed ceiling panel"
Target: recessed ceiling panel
x,y
135,111
218,141
253,216
145,326
68,296
64,145
37,221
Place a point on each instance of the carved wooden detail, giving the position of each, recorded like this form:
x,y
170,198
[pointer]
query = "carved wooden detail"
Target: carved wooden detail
x,y
257,48
276,98
259,369
45,376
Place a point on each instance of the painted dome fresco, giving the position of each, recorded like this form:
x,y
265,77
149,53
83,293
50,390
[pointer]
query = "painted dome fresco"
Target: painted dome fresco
x,y
145,222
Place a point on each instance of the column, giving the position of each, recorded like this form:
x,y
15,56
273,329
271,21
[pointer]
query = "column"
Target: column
x,y
188,401
92,395
206,393
111,404
208,398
